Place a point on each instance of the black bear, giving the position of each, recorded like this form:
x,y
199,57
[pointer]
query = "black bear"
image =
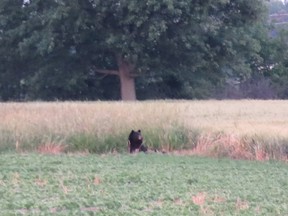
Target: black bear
x,y
135,142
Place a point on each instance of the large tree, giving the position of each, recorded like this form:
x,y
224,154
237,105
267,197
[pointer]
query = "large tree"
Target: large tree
x,y
129,38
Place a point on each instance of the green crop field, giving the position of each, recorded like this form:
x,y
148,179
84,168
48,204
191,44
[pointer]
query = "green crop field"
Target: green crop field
x,y
141,184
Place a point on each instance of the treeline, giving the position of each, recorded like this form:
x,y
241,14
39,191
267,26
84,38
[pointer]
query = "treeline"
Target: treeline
x,y
113,49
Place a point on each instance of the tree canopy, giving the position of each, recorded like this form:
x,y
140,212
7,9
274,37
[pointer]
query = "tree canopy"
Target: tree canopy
x,y
59,48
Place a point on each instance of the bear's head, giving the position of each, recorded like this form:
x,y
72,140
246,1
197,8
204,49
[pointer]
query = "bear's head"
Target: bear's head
x,y
135,141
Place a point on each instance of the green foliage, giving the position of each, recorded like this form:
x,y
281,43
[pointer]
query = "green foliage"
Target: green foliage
x,y
174,137
62,43
94,144
148,184
280,54
7,140
168,139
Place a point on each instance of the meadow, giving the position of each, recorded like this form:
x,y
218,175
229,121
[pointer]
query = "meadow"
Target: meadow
x,y
141,184
70,158
239,129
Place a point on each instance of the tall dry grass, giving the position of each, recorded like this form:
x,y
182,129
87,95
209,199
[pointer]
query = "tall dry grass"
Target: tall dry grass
x,y
104,126
97,126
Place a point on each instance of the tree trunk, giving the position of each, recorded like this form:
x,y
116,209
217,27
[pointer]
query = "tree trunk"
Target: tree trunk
x,y
127,81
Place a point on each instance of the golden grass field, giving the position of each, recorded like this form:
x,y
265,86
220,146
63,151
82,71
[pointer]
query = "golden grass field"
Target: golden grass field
x,y
261,118
236,116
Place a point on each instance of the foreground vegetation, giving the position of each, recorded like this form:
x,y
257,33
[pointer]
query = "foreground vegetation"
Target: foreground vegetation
x,y
245,129
143,184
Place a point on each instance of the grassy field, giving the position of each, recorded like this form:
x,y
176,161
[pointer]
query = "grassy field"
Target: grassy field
x,y
245,129
110,183
143,184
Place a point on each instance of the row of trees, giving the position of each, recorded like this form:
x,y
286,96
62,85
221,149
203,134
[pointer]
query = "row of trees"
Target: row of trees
x,y
112,49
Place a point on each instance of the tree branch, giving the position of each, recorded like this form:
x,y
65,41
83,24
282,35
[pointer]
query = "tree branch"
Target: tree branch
x,y
107,72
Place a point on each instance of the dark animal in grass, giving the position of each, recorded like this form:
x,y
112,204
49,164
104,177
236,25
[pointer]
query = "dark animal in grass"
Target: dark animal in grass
x,y
135,142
